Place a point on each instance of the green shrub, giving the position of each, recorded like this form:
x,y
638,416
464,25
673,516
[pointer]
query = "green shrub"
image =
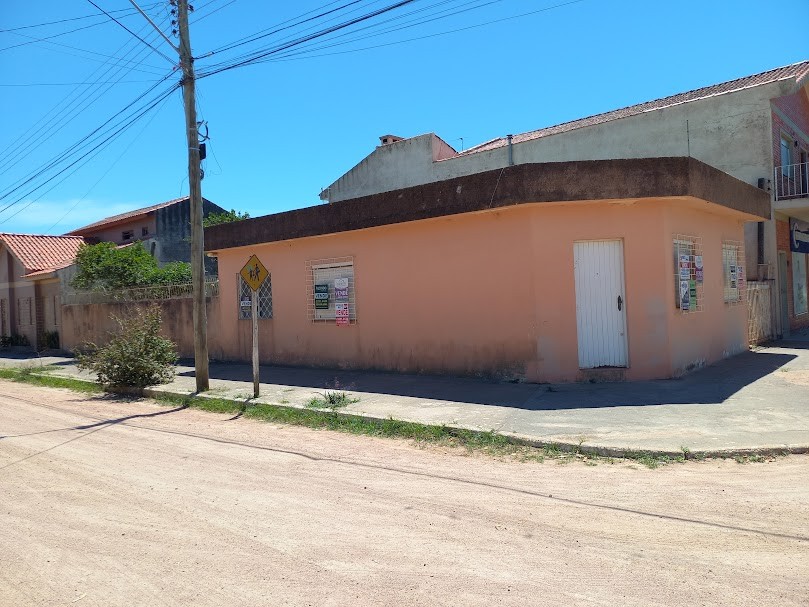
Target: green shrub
x,y
135,356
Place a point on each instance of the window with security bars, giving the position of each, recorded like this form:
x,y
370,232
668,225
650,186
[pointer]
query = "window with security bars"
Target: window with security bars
x,y
688,274
733,271
245,294
331,291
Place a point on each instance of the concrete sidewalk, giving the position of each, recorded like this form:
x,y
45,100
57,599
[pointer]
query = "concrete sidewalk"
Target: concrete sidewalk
x,y
755,401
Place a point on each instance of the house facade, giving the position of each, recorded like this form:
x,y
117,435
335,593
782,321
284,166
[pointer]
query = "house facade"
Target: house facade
x,y
164,229
30,296
754,128
611,269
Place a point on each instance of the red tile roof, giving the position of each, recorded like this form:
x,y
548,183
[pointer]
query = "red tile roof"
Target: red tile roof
x,y
796,72
39,252
128,215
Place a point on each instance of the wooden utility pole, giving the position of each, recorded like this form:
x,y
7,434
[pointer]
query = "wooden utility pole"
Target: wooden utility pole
x,y
195,195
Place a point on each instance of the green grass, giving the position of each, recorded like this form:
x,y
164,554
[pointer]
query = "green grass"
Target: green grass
x,y
38,376
324,416
331,400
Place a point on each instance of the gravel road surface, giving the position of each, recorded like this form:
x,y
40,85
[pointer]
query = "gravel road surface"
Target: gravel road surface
x,y
108,503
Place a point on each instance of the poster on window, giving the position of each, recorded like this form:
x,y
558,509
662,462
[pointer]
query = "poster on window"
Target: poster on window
x,y
341,289
685,296
733,277
322,297
698,268
342,314
685,267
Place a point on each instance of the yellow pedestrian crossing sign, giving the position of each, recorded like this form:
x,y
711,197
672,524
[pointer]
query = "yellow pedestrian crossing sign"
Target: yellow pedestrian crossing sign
x,y
254,272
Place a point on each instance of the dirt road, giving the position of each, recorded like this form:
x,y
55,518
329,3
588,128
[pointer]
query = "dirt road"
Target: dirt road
x,y
179,507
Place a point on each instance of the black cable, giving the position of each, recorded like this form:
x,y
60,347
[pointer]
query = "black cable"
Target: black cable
x,y
87,98
129,11
66,154
162,54
310,37
97,149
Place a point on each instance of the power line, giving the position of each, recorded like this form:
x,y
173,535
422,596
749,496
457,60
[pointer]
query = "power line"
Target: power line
x,y
80,103
301,40
129,12
161,53
65,156
24,84
100,179
78,29
89,155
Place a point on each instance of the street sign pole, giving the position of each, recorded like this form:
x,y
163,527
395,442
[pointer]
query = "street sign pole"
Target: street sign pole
x,y
254,314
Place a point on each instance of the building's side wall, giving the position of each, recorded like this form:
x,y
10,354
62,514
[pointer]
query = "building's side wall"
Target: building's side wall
x,y
730,132
487,293
718,330
136,226
173,241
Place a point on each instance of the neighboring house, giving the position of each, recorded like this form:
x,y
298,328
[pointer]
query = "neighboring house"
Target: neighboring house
x,y
164,229
754,128
609,269
29,289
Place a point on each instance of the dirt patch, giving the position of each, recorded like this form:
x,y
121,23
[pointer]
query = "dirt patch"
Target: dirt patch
x,y
105,502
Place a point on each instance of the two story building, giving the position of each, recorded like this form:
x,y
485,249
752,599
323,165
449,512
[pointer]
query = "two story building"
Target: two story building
x,y
755,128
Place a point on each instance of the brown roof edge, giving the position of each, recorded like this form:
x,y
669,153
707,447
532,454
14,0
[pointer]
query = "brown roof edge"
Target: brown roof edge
x,y
513,185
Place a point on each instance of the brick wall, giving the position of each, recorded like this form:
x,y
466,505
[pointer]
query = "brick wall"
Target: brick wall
x,y
782,239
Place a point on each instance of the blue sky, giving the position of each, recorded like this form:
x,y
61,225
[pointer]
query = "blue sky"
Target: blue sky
x,y
282,130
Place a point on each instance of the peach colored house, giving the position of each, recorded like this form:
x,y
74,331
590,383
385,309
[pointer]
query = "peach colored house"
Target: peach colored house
x,y
29,290
616,269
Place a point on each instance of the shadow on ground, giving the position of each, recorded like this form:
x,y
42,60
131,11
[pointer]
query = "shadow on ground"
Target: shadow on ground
x,y
710,386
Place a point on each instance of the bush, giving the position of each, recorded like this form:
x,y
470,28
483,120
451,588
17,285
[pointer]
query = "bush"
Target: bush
x,y
104,266
136,355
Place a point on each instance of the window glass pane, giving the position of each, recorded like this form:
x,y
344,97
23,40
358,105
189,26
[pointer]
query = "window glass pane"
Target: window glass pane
x,y
245,294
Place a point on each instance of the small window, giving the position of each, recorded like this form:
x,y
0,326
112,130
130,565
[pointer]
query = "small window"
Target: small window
x,y
786,155
733,272
688,273
144,231
331,288
127,235
264,299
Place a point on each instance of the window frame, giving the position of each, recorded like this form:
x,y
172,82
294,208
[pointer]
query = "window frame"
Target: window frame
x,y
265,308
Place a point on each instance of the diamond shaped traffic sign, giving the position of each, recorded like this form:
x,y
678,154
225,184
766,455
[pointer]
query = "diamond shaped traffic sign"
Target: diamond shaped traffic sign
x,y
254,272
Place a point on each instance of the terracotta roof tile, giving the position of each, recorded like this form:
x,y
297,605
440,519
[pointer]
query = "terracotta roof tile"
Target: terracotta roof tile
x,y
796,72
39,252
124,216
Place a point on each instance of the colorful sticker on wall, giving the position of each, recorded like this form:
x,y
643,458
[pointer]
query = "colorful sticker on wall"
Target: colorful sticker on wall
x,y
685,267
321,297
698,269
342,313
341,289
685,299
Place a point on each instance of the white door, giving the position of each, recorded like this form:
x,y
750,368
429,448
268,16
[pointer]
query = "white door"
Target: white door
x,y
600,303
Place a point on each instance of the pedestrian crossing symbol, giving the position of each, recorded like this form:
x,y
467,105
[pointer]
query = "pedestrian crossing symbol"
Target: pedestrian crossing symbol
x,y
254,273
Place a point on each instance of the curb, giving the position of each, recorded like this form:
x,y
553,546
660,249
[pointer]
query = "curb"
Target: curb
x,y
582,448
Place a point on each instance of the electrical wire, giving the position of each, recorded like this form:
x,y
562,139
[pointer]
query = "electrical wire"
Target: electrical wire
x,y
69,110
75,148
161,53
112,166
129,11
303,39
109,137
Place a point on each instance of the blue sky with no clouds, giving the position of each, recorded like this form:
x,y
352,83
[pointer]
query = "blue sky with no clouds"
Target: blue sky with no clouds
x,y
283,129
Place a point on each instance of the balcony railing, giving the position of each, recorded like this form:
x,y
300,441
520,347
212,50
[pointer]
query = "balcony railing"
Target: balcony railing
x,y
791,181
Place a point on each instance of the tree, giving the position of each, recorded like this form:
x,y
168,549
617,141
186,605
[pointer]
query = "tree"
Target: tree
x,y
136,355
214,219
104,266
